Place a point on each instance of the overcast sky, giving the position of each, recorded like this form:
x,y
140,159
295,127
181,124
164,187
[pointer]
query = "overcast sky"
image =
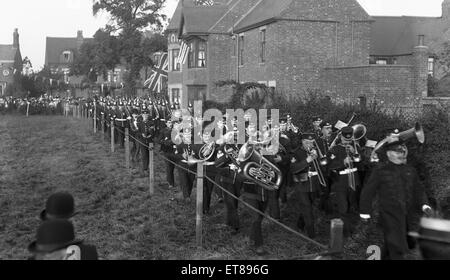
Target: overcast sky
x,y
37,19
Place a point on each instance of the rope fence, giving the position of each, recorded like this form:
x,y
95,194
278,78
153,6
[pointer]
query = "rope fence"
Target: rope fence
x,y
335,246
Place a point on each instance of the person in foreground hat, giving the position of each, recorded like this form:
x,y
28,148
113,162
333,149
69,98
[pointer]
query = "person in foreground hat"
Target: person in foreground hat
x,y
55,240
401,196
433,239
61,206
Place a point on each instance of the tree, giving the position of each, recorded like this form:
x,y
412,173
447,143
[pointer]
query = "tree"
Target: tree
x,y
128,18
97,56
255,94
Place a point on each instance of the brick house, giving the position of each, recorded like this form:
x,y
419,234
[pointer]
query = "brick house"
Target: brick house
x,y
295,45
10,62
283,44
60,52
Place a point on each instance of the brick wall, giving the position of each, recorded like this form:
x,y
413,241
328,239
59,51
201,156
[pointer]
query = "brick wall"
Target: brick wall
x,y
392,86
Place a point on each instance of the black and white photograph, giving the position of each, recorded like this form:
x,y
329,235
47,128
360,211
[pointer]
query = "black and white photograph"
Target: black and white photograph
x,y
225,134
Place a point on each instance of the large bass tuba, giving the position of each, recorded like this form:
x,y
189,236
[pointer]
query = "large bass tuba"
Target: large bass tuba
x,y
259,169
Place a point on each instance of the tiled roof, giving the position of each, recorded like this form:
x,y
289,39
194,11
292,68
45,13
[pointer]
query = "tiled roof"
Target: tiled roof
x,y
7,52
200,19
55,46
399,35
263,11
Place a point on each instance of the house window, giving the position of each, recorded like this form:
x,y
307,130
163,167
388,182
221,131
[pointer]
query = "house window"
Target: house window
x,y
197,54
201,54
175,95
262,39
66,56
196,93
116,75
381,61
431,66
175,66
241,50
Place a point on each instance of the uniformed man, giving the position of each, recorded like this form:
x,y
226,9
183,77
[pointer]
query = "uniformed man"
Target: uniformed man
x,y
146,136
316,126
401,198
306,180
343,169
168,148
184,154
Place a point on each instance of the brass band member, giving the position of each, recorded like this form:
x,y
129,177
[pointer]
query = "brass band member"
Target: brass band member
x,y
344,171
184,152
306,173
401,198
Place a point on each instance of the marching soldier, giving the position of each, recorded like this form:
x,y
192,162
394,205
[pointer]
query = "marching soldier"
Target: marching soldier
x,y
184,153
168,148
324,142
343,166
146,136
316,126
306,178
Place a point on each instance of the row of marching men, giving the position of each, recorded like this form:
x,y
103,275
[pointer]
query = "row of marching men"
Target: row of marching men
x,y
325,167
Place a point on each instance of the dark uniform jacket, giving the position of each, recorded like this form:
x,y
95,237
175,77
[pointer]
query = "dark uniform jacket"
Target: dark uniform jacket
x,y
336,157
146,131
303,172
401,196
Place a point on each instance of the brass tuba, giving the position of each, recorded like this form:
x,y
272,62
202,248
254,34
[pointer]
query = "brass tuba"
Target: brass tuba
x,y
207,151
259,169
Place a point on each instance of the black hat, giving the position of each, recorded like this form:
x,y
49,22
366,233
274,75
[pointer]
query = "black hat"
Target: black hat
x,y
59,206
347,132
53,235
433,229
308,136
325,124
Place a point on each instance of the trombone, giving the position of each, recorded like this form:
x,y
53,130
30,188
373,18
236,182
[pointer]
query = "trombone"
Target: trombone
x,y
318,163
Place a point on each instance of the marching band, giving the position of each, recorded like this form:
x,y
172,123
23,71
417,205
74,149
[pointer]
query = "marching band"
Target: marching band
x,y
328,166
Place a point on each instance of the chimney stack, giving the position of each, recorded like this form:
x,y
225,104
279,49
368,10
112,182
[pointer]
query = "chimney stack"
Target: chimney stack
x,y
446,9
16,38
80,39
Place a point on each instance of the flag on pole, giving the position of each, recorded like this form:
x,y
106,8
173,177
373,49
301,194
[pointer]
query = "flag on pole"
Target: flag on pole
x,y
184,50
155,82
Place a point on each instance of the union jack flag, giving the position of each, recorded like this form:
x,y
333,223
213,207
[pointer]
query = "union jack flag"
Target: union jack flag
x,y
184,50
155,82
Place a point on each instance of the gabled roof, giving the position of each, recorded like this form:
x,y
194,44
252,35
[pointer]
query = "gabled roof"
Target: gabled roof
x,y
265,10
55,46
174,23
399,35
198,20
7,52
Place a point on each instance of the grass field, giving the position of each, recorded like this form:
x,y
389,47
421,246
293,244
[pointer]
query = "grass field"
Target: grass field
x,y
43,154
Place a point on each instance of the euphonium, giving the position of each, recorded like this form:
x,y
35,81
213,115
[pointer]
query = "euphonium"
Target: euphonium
x,y
207,151
259,169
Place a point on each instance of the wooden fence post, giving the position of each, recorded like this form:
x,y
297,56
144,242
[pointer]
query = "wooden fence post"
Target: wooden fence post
x,y
151,168
103,127
73,111
199,210
95,118
127,149
28,107
112,137
337,236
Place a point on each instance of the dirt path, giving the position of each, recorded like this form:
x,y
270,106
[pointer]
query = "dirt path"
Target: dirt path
x,y
41,155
